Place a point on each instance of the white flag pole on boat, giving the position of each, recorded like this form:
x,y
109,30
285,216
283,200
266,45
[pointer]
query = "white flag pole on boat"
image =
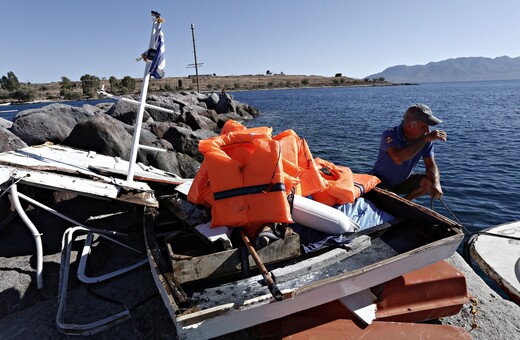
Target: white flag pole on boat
x,y
155,63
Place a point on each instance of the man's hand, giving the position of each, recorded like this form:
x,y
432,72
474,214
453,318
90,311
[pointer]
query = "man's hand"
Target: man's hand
x,y
436,192
436,135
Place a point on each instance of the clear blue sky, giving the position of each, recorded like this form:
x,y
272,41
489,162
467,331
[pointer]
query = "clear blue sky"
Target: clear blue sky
x,y
41,41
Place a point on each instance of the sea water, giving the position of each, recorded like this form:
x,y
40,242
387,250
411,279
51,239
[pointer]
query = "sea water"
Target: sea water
x,y
479,164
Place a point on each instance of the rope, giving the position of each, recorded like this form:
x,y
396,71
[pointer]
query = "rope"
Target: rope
x,y
466,231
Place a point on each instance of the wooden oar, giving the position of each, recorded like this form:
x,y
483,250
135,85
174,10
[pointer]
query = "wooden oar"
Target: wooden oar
x,y
273,288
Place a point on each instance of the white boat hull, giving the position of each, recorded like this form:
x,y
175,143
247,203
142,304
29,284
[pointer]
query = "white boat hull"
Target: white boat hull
x,y
499,256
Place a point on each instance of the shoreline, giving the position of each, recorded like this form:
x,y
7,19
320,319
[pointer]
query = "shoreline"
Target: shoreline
x,y
206,83
64,101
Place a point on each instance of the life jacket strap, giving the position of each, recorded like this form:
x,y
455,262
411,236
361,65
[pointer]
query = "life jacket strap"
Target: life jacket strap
x,y
360,187
250,190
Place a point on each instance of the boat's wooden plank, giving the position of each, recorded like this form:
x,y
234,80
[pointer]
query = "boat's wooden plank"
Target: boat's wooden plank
x,y
67,160
322,261
63,168
145,174
229,262
174,290
79,185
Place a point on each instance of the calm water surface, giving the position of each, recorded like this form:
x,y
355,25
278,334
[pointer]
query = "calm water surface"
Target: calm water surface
x,y
479,164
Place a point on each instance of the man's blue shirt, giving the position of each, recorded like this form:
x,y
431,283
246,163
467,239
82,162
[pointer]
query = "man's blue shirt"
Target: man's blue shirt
x,y
385,168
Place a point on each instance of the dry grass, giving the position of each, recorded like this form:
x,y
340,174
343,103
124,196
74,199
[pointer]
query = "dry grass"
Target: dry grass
x,y
51,91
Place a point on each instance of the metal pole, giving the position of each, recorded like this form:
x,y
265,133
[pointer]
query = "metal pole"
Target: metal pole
x,y
142,100
36,234
195,56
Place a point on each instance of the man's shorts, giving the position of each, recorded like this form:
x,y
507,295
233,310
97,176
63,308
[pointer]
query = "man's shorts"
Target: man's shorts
x,y
405,187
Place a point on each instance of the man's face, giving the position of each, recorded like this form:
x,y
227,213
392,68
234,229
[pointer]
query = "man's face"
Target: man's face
x,y
415,129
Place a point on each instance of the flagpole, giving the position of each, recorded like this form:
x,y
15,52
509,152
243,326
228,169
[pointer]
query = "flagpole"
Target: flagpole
x,y
144,91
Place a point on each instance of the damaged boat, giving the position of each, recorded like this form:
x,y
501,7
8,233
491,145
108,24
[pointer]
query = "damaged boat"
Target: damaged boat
x,y
214,281
210,292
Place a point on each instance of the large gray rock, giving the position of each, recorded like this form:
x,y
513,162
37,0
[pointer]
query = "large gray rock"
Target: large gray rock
x,y
212,100
164,160
102,133
5,123
167,161
10,141
188,166
186,141
162,116
201,111
126,112
159,128
246,111
97,109
197,122
224,117
50,123
225,104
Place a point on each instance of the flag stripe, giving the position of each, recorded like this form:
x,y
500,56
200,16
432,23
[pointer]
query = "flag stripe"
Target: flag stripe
x,y
159,61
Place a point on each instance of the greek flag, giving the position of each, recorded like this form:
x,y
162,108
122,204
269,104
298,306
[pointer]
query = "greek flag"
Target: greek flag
x,y
159,61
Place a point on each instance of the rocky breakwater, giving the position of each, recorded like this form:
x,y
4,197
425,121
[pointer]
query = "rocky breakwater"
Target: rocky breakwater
x,y
108,128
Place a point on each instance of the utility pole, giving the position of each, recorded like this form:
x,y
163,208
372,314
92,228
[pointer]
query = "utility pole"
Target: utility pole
x,y
196,65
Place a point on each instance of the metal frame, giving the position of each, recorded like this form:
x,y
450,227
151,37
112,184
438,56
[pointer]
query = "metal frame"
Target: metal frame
x,y
82,276
15,195
74,328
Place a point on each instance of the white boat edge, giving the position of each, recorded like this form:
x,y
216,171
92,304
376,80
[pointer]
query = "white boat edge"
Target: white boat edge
x,y
496,256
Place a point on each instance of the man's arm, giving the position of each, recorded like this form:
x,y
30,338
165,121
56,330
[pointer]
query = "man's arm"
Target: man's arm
x,y
432,172
400,155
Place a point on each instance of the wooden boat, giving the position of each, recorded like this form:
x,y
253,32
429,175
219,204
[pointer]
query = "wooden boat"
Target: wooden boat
x,y
211,294
497,252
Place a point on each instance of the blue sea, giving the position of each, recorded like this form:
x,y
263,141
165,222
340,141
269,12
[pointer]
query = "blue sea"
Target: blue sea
x,y
479,164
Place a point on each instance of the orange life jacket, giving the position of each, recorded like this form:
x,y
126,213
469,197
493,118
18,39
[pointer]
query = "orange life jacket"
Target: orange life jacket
x,y
200,191
343,185
296,152
245,174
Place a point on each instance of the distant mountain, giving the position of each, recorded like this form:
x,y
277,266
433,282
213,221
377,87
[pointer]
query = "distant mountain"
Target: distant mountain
x,y
453,70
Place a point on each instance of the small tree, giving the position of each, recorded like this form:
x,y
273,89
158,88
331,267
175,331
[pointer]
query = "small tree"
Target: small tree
x,y
128,84
66,84
4,94
114,84
10,83
24,95
89,84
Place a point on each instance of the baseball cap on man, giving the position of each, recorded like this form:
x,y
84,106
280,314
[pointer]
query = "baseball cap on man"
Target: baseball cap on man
x,y
423,113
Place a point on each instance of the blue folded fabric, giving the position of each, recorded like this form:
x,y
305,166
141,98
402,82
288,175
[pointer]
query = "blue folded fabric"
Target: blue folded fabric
x,y
363,212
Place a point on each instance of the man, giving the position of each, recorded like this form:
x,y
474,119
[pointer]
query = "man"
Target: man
x,y
401,149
